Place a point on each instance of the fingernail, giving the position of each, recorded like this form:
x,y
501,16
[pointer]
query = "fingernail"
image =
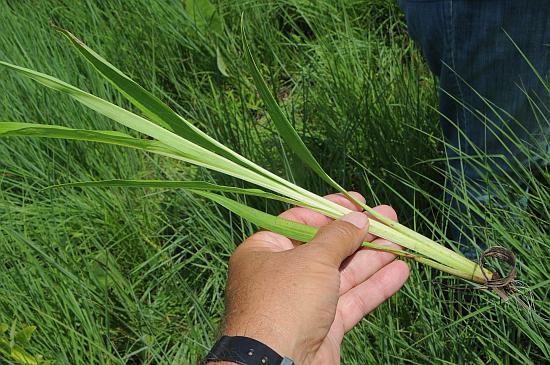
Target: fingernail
x,y
359,220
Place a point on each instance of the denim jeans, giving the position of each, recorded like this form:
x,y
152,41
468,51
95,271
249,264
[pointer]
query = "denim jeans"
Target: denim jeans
x,y
488,88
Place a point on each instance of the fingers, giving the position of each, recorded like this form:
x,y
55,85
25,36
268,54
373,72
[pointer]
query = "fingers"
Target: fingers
x,y
275,242
363,264
362,299
314,219
340,239
344,201
385,210
267,241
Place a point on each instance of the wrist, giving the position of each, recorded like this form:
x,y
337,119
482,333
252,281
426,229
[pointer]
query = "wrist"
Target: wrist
x,y
244,350
278,340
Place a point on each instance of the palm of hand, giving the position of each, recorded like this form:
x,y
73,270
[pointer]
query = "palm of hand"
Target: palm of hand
x,y
317,300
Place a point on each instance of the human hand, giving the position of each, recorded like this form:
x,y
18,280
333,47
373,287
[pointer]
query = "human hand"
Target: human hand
x,y
300,300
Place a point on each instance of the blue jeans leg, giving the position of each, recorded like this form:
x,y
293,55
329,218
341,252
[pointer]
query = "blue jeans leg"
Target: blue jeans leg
x,y
488,90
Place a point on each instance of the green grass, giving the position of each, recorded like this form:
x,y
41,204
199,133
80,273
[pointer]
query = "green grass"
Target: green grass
x,y
137,276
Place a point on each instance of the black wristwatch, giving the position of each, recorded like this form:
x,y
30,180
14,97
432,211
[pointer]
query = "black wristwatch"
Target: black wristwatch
x,y
244,351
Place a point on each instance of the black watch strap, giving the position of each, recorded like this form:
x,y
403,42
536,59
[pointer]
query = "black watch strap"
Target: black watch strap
x,y
244,351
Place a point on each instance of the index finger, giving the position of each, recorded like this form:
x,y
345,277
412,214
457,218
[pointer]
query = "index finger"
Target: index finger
x,y
315,219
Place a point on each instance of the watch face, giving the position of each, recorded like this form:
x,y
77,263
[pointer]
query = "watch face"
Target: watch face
x,y
287,361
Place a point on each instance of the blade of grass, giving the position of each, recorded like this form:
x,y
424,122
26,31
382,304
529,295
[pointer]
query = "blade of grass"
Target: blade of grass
x,y
188,185
305,233
162,114
252,214
187,150
17,129
421,243
203,157
153,108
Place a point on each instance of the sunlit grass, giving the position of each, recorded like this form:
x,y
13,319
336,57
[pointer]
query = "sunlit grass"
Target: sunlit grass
x,y
171,248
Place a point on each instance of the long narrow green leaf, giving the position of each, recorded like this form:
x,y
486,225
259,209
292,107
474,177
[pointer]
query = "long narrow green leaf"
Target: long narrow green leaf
x,y
15,129
153,108
305,233
283,125
289,134
189,151
114,112
174,184
188,185
159,112
291,137
290,229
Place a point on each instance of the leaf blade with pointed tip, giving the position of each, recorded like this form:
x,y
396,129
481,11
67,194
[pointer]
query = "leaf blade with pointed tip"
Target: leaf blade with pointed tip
x,y
188,185
304,233
275,224
159,112
285,129
16,129
187,149
293,140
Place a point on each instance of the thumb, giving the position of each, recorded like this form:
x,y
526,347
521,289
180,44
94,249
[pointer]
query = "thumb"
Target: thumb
x,y
342,237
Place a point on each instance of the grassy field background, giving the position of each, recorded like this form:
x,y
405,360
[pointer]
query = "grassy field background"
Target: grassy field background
x,y
117,276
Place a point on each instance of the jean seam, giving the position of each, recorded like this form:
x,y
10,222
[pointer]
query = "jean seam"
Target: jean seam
x,y
450,35
453,63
